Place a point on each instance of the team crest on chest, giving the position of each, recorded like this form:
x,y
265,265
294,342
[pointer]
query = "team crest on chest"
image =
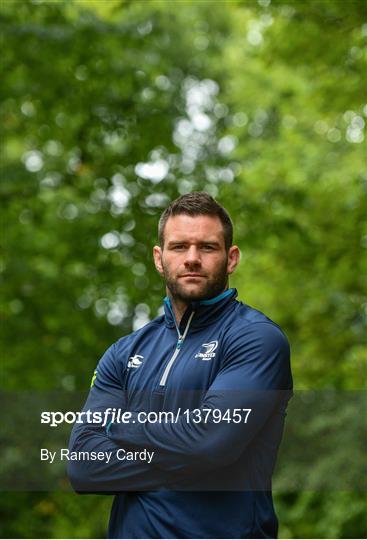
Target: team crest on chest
x,y
207,351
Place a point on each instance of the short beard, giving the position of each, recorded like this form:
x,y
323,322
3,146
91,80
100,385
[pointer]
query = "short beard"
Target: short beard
x,y
211,288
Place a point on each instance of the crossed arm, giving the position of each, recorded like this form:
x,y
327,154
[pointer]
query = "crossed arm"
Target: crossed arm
x,y
255,374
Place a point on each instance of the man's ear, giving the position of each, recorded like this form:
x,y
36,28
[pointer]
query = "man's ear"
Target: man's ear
x,y
234,255
157,256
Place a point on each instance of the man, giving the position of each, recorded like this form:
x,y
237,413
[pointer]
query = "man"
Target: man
x,y
219,368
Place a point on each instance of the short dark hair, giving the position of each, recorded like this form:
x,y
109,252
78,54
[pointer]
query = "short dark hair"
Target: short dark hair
x,y
197,203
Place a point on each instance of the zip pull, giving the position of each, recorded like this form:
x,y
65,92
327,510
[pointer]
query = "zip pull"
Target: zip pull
x,y
181,339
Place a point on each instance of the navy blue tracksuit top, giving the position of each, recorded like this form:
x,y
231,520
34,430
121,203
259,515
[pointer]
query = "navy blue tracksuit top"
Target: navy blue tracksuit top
x,y
225,375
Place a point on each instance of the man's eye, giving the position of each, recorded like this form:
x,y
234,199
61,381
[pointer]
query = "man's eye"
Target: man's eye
x,y
178,247
208,248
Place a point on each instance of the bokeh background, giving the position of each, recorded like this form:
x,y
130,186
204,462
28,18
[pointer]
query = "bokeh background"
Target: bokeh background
x,y
112,108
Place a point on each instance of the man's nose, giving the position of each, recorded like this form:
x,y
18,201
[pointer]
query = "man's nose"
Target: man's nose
x,y
193,256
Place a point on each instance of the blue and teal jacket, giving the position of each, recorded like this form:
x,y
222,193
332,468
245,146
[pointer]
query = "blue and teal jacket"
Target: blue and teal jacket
x,y
208,478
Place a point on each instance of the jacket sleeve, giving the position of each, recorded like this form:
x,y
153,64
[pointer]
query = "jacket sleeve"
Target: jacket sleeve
x,y
88,476
255,375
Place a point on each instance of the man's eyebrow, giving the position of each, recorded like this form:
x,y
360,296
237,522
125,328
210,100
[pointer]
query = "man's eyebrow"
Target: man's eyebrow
x,y
206,242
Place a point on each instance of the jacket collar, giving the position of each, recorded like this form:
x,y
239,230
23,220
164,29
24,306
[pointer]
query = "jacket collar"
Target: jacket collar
x,y
206,311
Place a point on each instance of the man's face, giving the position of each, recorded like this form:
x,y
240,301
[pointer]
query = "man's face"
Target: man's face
x,y
193,260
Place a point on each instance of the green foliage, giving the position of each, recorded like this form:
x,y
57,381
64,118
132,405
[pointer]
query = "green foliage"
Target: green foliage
x,y
111,109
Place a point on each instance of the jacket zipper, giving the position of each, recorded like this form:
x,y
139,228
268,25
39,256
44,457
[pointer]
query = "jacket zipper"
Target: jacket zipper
x,y
180,340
